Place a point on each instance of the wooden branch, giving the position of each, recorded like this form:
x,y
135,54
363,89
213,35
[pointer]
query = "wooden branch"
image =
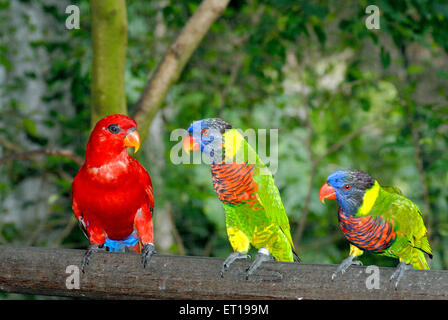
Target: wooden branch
x,y
121,276
49,152
109,42
9,145
174,61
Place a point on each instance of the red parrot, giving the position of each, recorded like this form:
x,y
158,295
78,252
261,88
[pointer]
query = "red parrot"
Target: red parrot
x,y
112,195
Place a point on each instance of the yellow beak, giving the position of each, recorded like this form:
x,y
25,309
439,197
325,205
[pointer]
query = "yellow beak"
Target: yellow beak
x,y
132,139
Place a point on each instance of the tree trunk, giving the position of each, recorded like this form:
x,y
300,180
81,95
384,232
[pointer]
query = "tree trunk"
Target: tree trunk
x,y
109,41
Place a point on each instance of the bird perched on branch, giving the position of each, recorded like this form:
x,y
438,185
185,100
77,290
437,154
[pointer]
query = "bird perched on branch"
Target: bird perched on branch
x,y
253,208
112,195
377,219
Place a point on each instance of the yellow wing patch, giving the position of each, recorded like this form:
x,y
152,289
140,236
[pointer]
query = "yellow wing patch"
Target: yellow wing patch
x,y
355,251
262,237
238,240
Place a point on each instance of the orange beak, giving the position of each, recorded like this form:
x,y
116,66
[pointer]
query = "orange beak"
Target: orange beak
x,y
190,144
326,192
132,139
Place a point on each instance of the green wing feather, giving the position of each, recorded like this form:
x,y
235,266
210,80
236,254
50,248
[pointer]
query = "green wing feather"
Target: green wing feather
x,y
392,190
268,193
409,225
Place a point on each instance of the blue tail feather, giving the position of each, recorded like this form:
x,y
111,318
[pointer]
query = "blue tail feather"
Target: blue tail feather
x,y
120,245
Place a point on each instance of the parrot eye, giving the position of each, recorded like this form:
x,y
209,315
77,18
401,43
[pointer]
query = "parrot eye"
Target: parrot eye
x,y
204,132
347,187
114,128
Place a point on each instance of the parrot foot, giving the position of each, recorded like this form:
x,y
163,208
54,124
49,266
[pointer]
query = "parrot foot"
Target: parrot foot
x,y
402,267
345,264
147,252
231,258
92,249
262,256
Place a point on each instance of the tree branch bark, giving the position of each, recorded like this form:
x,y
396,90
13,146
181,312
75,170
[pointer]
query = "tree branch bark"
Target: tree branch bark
x,y
174,61
43,271
49,152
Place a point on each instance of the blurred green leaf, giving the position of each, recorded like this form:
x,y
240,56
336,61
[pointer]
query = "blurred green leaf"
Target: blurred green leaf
x,y
30,127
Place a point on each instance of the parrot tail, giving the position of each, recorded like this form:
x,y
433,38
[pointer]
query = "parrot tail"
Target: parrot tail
x,y
296,256
418,260
418,257
424,246
416,253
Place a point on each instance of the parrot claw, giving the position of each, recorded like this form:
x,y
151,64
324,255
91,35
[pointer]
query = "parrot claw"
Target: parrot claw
x,y
345,264
399,272
231,258
92,249
261,257
147,253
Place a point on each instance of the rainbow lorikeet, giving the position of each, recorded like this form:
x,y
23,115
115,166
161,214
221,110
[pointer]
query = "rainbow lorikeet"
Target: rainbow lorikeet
x,y
112,195
377,219
253,208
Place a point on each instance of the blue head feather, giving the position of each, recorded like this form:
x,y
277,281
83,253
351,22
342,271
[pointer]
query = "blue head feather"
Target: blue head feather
x,y
208,134
196,131
350,187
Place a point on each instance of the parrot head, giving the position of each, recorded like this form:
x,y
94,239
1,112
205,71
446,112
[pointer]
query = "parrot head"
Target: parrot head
x,y
206,135
347,187
111,136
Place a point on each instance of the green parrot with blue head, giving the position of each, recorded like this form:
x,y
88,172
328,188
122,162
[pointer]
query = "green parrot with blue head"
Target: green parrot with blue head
x,y
377,219
252,204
